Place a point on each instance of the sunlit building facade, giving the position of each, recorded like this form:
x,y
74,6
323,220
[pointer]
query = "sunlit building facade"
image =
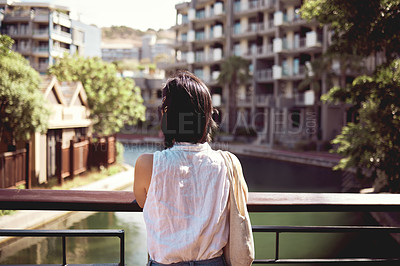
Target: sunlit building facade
x,y
43,32
279,45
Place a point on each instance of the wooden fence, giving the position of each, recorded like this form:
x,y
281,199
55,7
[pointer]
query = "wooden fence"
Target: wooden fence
x,y
13,168
70,161
103,151
80,156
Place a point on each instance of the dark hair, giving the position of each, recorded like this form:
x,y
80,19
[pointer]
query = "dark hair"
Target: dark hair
x,y
186,110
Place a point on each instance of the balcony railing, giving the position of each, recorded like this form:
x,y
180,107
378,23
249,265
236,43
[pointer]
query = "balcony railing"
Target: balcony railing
x,y
73,200
264,99
264,74
41,32
41,49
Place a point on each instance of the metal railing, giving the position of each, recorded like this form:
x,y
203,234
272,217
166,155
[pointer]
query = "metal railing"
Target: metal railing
x,y
278,230
73,233
117,201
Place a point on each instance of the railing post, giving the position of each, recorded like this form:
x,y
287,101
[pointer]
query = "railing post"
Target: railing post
x,y
59,161
107,154
64,250
71,158
122,248
28,180
3,171
276,246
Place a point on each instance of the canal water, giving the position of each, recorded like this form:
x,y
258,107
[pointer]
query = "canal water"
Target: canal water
x,y
261,175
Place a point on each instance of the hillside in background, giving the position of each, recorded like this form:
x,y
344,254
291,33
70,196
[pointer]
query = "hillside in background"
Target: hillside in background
x,y
124,34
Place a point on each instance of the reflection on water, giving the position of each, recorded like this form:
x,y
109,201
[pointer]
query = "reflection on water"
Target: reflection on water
x,y
85,250
276,176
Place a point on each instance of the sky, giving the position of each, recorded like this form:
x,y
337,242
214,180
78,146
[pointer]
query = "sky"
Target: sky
x,y
138,14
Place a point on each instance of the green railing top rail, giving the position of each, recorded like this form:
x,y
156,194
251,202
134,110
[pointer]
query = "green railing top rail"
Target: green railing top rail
x,y
78,200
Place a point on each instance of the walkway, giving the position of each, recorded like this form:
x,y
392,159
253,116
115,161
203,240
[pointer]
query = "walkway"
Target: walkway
x,y
37,219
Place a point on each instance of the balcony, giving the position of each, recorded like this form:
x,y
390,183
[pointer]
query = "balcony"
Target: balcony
x,y
18,16
41,16
265,51
264,75
183,22
305,99
62,19
215,76
278,18
296,45
312,39
208,58
178,64
59,51
283,101
204,16
24,50
248,31
276,72
264,100
266,27
244,102
15,33
41,67
246,8
299,43
61,36
181,45
251,52
114,201
41,51
41,34
277,45
267,5
299,72
216,100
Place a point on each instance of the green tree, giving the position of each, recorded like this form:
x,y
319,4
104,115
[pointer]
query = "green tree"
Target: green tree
x,y
360,27
113,101
364,28
22,111
234,72
372,144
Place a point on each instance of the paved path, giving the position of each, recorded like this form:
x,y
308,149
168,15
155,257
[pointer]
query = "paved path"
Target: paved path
x,y
36,219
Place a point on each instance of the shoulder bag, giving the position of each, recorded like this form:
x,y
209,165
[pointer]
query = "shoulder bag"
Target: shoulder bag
x,y
239,250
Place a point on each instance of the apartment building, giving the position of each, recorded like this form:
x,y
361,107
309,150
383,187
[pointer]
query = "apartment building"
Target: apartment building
x,y
150,87
278,44
43,32
112,52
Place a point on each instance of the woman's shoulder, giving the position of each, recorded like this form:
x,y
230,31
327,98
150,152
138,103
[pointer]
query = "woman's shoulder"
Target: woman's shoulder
x,y
145,160
231,155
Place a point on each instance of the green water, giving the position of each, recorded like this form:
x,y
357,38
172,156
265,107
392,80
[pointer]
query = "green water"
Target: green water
x,y
276,176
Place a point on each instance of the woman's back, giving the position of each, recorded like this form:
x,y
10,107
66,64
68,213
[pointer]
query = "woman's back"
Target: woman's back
x,y
187,204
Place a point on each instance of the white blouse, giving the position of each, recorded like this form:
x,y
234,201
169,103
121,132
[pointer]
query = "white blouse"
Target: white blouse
x,y
187,204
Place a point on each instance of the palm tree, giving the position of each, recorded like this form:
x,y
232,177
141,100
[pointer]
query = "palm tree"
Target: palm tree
x,y
316,70
321,69
234,72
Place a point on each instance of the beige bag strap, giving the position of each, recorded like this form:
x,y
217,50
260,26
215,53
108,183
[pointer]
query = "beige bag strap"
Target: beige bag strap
x,y
239,251
236,177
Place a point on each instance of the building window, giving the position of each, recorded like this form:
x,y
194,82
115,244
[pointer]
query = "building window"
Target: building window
x,y
295,118
236,28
